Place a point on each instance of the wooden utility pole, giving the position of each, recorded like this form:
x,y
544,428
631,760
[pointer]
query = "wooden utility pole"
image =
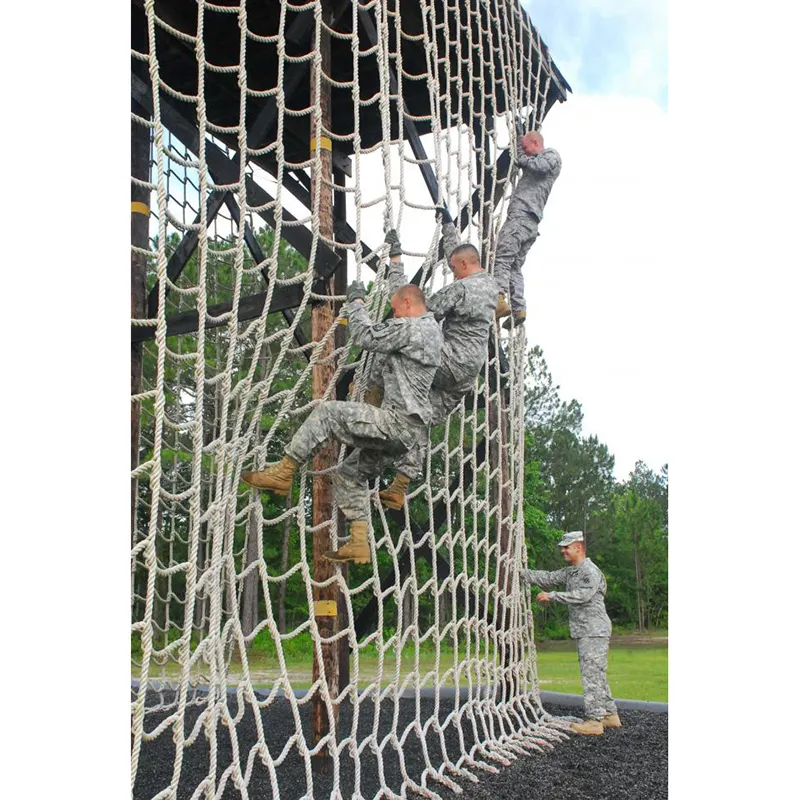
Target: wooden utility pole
x,y
340,337
140,218
325,605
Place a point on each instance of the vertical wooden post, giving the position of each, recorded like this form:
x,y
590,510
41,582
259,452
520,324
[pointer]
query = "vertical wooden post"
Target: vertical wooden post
x,y
340,288
140,203
325,610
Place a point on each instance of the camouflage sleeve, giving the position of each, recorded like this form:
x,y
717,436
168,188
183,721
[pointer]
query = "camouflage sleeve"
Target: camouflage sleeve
x,y
451,239
590,583
544,163
445,300
395,276
382,337
543,578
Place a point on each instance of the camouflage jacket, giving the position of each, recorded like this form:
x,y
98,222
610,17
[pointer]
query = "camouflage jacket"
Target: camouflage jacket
x,y
539,173
584,596
467,307
412,347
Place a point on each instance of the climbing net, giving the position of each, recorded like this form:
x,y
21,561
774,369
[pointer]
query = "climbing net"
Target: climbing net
x,y
255,670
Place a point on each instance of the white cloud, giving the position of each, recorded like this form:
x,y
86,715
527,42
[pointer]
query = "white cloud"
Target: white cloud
x,y
607,46
596,278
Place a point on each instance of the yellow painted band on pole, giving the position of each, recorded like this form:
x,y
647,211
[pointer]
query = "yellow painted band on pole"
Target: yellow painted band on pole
x,y
140,208
325,608
324,144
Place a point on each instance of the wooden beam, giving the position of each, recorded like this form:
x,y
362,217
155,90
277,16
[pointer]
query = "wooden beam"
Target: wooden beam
x,y
342,230
297,32
250,307
256,134
258,256
184,251
226,171
365,17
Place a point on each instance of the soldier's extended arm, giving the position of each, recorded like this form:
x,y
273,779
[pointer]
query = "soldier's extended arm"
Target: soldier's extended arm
x,y
589,585
451,239
544,163
383,337
395,274
543,578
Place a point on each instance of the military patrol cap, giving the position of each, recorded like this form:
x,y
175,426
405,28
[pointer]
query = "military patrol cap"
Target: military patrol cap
x,y
569,538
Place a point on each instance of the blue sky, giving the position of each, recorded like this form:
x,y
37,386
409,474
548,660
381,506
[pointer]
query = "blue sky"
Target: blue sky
x,y
607,46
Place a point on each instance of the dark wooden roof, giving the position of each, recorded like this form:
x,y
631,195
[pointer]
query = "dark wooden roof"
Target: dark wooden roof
x,y
178,66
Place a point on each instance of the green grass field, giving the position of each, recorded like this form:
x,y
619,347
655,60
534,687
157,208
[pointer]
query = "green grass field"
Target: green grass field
x,y
635,672
637,668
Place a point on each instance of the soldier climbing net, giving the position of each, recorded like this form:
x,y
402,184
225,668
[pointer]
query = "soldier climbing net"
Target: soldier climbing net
x,y
258,130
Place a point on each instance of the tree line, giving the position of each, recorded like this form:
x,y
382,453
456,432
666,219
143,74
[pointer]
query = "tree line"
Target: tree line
x,y
569,485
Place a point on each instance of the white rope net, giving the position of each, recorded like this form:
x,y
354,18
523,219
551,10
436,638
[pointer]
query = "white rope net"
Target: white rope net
x,y
442,683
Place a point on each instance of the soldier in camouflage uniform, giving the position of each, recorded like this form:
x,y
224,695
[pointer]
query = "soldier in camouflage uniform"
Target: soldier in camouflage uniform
x,y
540,168
589,625
467,307
411,344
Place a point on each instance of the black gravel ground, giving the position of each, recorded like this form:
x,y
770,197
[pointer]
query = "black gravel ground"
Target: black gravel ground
x,y
630,762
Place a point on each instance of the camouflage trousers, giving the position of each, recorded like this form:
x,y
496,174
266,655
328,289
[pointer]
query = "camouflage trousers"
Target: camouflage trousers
x,y
380,435
446,393
517,236
593,660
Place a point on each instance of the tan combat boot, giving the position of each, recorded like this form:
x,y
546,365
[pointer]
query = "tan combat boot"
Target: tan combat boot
x,y
519,319
356,549
374,396
589,727
394,495
276,479
503,308
611,721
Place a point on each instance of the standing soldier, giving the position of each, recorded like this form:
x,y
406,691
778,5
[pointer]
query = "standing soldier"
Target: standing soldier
x,y
540,168
411,343
588,624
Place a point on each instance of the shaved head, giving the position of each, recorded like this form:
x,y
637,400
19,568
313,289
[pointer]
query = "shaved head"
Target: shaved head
x,y
465,260
409,301
412,292
468,252
532,143
536,137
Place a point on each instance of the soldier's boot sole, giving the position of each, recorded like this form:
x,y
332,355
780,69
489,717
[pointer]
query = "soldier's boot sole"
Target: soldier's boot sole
x,y
345,555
